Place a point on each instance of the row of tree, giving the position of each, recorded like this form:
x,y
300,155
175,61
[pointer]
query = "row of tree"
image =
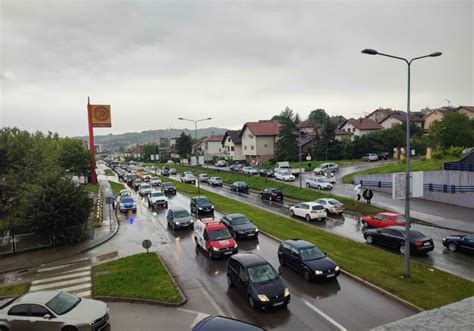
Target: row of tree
x,y
37,193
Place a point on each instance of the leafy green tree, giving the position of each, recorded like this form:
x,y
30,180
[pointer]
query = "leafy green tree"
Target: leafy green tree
x,y
287,147
184,145
318,116
455,129
73,157
327,147
148,151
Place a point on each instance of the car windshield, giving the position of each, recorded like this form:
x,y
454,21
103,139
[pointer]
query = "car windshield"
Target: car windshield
x,y
219,234
333,202
63,302
180,213
285,173
400,218
262,273
167,185
202,200
157,194
145,186
127,199
217,178
311,253
240,221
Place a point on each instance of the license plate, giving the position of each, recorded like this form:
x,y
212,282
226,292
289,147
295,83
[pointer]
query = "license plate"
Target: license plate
x,y
330,275
278,304
227,253
250,234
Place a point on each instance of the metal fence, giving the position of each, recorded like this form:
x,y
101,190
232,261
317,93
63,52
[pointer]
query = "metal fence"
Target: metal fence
x,y
458,166
374,183
444,188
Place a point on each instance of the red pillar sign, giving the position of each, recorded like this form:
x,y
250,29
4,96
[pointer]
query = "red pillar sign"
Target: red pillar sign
x,y
98,116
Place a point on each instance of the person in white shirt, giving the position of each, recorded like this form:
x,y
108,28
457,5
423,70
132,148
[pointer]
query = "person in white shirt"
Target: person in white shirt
x,y
357,190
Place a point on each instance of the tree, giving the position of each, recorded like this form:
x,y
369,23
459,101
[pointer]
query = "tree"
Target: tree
x,y
73,157
287,147
327,147
148,151
184,145
455,129
319,117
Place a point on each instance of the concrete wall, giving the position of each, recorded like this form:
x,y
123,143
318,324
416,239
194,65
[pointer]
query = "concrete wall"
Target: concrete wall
x,y
248,140
372,180
265,145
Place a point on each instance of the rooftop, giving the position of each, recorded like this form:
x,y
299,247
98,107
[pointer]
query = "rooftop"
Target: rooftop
x,y
363,124
262,128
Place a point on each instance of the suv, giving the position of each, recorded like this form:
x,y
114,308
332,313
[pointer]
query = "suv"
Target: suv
x,y
144,189
168,188
157,198
215,181
126,203
178,218
201,205
326,167
320,183
370,157
240,226
309,211
137,183
203,178
214,238
257,280
271,194
188,178
249,171
155,181
307,259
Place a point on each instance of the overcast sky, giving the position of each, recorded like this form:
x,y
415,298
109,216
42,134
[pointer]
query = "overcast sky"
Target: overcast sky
x,y
235,61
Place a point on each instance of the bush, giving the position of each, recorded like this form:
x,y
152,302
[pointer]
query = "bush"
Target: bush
x,y
454,151
438,154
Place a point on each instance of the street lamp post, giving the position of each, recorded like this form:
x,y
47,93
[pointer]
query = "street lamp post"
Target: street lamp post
x,y
196,135
300,173
407,151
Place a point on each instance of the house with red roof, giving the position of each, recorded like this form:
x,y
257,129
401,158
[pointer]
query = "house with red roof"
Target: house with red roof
x,y
232,144
380,114
400,117
360,127
438,114
212,147
259,141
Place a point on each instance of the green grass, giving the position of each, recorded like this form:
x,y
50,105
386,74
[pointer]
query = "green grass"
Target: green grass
x,y
14,290
116,187
428,287
140,276
94,188
417,165
109,172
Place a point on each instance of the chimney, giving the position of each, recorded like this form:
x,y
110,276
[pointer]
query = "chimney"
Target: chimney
x,y
360,120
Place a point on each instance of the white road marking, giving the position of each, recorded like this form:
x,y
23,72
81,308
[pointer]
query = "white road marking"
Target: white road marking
x,y
76,288
54,268
198,318
84,294
326,317
52,279
74,261
58,284
213,303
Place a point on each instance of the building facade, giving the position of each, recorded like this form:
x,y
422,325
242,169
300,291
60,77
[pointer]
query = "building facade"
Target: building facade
x,y
259,141
232,144
360,127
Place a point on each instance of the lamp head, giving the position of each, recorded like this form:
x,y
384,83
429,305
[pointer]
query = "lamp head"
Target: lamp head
x,y
180,118
435,54
369,51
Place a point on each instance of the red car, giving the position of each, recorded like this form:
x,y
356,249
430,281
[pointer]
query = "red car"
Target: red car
x,y
382,220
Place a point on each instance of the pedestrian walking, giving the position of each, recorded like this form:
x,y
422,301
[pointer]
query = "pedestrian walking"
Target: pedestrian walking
x,y
370,195
357,189
365,195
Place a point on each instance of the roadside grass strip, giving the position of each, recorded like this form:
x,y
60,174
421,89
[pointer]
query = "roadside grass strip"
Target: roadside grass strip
x,y
93,188
109,172
116,187
427,288
14,290
140,276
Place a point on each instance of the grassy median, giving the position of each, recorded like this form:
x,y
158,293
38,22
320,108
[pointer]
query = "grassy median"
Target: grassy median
x,y
140,276
14,290
116,187
428,287
109,172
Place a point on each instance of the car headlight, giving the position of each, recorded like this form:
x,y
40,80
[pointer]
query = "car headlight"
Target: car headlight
x,y
318,272
263,298
287,292
122,205
444,239
215,249
200,208
235,246
192,221
336,268
177,223
256,230
212,206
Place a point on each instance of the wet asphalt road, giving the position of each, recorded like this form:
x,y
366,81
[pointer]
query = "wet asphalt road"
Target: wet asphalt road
x,y
458,263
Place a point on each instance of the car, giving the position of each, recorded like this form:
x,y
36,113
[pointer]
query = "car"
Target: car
x,y
332,206
384,156
170,162
179,218
157,198
200,205
459,242
125,192
325,168
221,163
271,194
203,178
188,179
215,181
234,168
144,189
382,220
249,171
168,188
155,182
165,172
240,226
126,203
130,179
214,238
307,259
284,175
52,310
266,173
394,237
173,171
256,279
137,183
146,178
308,210
239,187
318,182
214,323
370,157
329,177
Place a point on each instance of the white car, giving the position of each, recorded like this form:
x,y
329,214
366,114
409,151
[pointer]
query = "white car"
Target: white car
x,y
308,210
326,167
318,182
144,189
188,178
370,157
249,171
203,178
155,181
157,198
221,163
215,181
332,206
284,175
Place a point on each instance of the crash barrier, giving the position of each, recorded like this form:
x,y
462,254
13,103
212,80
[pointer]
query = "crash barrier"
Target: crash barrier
x,y
444,188
458,166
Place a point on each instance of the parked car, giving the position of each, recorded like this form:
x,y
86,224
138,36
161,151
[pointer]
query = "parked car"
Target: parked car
x,y
370,157
214,238
307,259
179,218
249,171
157,198
214,323
318,182
126,203
332,206
394,237
200,205
52,310
203,178
137,183
271,194
173,171
240,226
325,168
384,156
170,162
188,179
165,172
221,163
257,280
215,181
168,188
308,210
239,187
382,220
234,168
144,189
284,175
266,173
463,242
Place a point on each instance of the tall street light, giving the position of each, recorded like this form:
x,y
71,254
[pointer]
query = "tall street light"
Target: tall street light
x,y
407,152
196,135
300,173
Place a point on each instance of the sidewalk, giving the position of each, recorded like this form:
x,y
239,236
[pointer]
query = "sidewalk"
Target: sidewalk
x,y
29,259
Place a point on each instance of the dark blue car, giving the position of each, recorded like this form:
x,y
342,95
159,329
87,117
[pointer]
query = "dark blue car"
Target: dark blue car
x,y
461,241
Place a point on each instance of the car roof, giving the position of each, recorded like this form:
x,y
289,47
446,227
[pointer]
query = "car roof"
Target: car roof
x,y
200,197
40,297
311,203
299,243
217,323
389,214
232,216
174,209
249,259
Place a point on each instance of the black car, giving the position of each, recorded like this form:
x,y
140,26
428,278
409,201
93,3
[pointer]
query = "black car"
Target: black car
x,y
394,237
240,226
239,187
137,183
461,241
168,188
165,172
234,168
271,194
179,218
266,173
218,323
257,280
307,259
200,205
384,156
130,179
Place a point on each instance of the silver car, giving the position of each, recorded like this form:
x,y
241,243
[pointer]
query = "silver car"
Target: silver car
x,y
179,218
215,181
331,205
52,310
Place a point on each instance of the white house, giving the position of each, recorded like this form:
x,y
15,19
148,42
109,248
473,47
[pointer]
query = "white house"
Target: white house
x,y
259,141
232,144
360,127
212,147
398,118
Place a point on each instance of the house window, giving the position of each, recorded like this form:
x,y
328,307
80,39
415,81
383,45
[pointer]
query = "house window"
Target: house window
x,y
232,148
228,139
265,145
251,147
245,147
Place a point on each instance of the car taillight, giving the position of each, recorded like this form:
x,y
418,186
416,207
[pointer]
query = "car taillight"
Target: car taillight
x,y
419,243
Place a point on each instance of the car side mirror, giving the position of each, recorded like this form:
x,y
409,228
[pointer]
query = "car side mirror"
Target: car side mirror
x,y
47,316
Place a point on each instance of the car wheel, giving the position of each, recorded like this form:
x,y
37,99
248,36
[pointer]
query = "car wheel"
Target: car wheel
x,y
306,275
308,218
369,239
282,261
69,328
452,247
319,187
229,281
402,249
307,184
365,224
292,213
252,303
